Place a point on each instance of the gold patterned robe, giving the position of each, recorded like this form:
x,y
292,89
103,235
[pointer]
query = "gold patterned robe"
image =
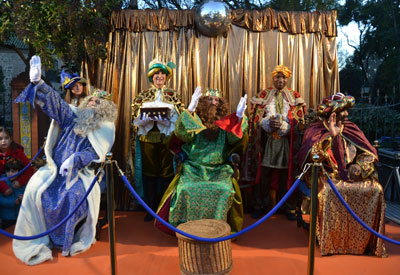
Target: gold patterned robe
x,y
337,231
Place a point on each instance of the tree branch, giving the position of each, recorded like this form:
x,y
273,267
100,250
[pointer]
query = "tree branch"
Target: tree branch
x,y
18,51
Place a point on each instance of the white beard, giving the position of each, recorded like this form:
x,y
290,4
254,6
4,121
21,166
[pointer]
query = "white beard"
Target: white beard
x,y
86,121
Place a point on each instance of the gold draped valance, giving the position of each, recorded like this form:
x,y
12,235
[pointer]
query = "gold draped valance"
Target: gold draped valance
x,y
239,62
293,22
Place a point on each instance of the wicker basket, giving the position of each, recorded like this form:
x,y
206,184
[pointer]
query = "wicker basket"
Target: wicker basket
x,y
204,257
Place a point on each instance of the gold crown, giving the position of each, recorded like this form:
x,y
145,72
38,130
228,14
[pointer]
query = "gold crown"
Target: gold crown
x,y
213,92
102,94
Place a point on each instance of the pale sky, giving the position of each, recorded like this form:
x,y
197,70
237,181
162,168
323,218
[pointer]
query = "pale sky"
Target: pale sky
x,y
352,31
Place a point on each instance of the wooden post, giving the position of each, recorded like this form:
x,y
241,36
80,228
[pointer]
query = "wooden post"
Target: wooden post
x,y
30,125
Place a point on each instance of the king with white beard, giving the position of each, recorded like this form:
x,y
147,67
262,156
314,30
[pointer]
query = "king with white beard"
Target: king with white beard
x,y
78,136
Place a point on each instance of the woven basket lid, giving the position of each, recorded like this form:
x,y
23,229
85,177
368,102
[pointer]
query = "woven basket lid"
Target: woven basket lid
x,y
205,228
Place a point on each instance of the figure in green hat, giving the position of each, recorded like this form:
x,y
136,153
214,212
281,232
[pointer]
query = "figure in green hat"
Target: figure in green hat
x,y
154,114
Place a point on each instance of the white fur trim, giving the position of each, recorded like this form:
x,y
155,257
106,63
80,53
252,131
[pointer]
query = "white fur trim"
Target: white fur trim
x,y
31,219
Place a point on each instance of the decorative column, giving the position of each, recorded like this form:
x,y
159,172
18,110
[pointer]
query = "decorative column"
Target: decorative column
x,y
29,125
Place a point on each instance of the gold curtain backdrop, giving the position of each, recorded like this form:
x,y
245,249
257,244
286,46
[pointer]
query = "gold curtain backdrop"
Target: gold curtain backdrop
x,y
237,63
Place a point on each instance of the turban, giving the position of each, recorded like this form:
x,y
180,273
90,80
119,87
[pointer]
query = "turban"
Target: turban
x,y
335,103
281,69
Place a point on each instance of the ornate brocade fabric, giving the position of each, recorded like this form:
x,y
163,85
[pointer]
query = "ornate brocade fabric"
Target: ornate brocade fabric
x,y
204,189
337,231
168,96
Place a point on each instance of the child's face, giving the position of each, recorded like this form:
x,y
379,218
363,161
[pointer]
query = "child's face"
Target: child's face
x,y
11,173
5,142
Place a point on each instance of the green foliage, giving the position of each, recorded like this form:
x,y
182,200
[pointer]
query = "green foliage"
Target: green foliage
x,y
378,54
293,5
376,121
305,5
351,80
6,25
68,29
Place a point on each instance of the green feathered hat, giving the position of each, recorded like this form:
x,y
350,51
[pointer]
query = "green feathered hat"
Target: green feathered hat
x,y
157,65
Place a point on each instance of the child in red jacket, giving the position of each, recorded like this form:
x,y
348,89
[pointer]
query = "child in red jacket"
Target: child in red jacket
x,y
9,149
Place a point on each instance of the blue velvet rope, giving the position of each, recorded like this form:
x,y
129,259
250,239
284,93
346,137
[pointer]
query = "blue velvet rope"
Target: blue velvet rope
x,y
26,167
356,217
24,238
268,215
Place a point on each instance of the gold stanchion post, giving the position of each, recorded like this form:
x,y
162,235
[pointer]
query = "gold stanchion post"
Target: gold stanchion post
x,y
313,215
110,211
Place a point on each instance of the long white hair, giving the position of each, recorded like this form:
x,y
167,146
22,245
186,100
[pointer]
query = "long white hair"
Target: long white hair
x,y
90,119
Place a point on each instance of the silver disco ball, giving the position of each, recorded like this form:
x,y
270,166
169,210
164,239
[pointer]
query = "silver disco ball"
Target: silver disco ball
x,y
212,17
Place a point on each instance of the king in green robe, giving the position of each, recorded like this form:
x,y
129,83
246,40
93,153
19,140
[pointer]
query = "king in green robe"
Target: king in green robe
x,y
204,187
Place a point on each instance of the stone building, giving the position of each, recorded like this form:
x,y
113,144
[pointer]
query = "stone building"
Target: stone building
x,y
11,65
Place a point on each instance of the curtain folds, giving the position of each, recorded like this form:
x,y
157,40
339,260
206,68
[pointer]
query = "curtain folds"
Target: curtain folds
x,y
237,63
293,22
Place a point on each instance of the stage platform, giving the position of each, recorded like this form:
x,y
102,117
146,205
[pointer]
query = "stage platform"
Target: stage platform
x,y
277,246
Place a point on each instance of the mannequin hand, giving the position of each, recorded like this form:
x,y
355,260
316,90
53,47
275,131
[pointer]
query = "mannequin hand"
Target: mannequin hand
x,y
275,123
241,106
35,71
66,166
354,172
161,121
195,99
145,119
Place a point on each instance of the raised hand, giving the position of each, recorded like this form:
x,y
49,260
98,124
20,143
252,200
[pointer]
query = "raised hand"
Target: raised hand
x,y
35,71
333,126
241,108
195,99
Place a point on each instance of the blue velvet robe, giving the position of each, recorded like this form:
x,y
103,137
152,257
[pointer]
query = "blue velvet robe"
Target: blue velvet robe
x,y
57,201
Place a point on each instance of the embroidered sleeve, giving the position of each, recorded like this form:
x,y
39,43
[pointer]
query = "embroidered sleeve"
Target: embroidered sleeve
x,y
187,126
49,101
265,124
83,158
232,138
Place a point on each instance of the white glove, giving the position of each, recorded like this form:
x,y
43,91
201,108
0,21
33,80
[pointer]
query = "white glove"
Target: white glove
x,y
195,99
144,120
241,106
35,71
66,165
161,121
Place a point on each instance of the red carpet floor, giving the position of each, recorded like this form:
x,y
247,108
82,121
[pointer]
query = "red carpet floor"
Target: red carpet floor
x,y
275,247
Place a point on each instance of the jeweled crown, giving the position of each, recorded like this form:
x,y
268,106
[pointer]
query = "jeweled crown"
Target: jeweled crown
x,y
213,92
102,94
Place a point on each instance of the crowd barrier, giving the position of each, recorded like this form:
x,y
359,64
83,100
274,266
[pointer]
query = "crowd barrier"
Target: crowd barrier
x,y
110,211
